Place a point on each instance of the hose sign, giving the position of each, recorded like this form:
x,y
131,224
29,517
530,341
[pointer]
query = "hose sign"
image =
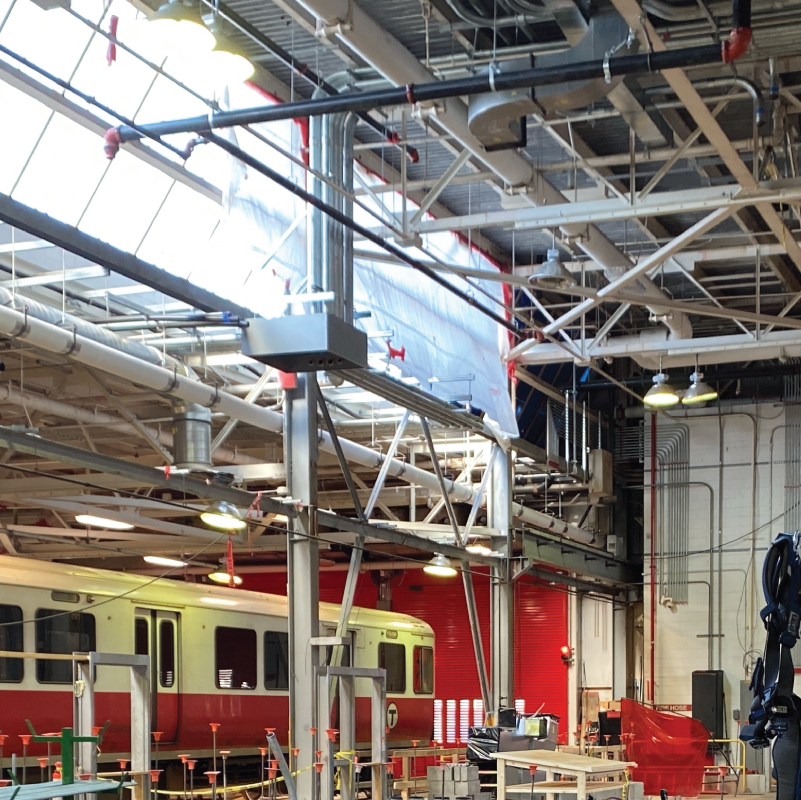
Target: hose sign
x,y
392,715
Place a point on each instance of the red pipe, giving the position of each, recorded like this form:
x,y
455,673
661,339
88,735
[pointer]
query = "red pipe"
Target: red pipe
x,y
652,683
736,45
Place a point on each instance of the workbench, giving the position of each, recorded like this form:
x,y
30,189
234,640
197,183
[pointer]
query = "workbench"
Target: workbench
x,y
591,775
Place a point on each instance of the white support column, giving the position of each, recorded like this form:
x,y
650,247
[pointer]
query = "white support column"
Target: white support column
x,y
499,516
300,453
619,651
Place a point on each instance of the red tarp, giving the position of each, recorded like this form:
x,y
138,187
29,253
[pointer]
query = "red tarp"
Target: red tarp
x,y
670,750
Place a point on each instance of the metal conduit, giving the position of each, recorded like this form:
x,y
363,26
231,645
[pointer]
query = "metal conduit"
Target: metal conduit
x,y
77,347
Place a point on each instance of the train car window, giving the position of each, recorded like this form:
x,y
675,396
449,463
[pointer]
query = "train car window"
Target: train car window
x,y
141,637
392,658
11,669
276,660
235,650
60,632
166,653
423,670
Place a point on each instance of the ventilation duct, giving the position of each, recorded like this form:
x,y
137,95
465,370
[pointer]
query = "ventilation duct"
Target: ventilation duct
x,y
191,433
498,120
605,33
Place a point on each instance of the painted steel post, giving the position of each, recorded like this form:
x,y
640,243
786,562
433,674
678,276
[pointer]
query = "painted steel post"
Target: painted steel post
x,y
300,454
499,516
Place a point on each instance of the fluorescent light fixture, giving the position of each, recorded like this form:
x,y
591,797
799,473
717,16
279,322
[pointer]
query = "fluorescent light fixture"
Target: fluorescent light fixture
x,y
699,392
102,522
223,577
223,516
440,566
479,549
218,601
661,394
163,561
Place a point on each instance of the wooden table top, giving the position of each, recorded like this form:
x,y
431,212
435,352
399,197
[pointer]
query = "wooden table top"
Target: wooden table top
x,y
565,763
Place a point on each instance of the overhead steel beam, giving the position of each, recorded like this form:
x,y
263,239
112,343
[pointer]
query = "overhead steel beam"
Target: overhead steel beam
x,y
632,13
43,448
439,187
126,264
642,268
595,211
647,349
588,562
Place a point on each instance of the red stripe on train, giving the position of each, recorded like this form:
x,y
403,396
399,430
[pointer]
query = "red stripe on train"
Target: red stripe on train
x,y
242,718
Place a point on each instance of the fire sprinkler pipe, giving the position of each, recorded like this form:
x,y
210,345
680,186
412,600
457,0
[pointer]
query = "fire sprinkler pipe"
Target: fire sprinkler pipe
x,y
411,94
70,344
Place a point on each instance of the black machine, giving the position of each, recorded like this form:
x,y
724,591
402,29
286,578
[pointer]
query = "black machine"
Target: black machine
x,y
776,711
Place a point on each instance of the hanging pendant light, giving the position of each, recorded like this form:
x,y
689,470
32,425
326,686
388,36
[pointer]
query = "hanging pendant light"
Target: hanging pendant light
x,y
700,391
440,566
661,394
226,64
180,30
552,274
223,516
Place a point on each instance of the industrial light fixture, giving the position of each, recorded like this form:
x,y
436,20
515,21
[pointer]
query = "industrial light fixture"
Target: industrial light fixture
x,y
552,274
162,561
180,29
220,576
226,63
440,566
224,516
479,549
102,522
661,394
700,391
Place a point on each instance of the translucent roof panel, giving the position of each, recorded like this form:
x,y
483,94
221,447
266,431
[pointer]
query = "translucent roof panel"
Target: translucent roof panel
x,y
18,140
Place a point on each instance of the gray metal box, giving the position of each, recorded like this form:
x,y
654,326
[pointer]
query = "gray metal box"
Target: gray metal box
x,y
305,343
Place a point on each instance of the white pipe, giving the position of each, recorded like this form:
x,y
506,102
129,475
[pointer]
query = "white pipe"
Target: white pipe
x,y
360,32
85,351
35,402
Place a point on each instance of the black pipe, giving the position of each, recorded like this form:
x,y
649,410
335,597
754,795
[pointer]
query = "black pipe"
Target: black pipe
x,y
741,14
427,92
345,220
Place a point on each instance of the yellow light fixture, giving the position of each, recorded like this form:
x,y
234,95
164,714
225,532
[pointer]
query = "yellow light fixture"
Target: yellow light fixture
x,y
223,577
661,394
163,561
699,392
180,30
224,516
440,566
479,549
103,522
226,63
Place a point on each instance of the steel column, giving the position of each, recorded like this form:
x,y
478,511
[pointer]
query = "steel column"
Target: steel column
x,y
300,452
499,515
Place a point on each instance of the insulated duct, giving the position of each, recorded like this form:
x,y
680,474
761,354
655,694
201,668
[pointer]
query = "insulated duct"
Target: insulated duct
x,y
55,339
191,426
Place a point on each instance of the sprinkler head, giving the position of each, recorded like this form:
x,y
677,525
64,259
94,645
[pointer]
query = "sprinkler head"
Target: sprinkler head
x,y
156,734
184,757
215,726
26,739
154,774
263,751
332,734
318,765
191,764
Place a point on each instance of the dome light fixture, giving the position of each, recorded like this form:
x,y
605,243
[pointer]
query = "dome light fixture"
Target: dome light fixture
x,y
661,394
440,566
179,28
479,549
221,576
552,274
92,521
224,516
226,63
700,391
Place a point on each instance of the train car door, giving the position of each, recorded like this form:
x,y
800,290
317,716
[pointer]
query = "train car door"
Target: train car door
x,y
157,634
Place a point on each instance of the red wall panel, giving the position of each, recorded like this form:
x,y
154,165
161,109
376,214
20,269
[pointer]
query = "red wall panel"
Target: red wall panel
x,y
540,631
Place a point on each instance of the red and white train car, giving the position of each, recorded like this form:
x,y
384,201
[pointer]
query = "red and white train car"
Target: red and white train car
x,y
217,655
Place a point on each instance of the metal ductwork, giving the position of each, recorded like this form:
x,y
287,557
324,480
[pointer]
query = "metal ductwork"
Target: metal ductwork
x,y
604,33
191,433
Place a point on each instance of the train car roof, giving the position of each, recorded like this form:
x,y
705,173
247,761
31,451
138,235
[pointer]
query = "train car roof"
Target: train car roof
x,y
103,584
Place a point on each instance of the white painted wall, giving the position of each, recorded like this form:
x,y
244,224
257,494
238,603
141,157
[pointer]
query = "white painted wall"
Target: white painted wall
x,y
729,597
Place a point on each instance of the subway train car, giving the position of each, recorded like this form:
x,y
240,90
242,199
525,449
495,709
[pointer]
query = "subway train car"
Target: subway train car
x,y
217,655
